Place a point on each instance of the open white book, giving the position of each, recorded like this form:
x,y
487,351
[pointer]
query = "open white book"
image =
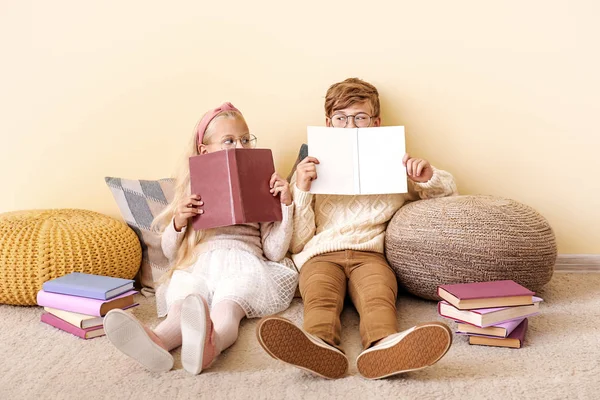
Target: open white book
x,y
358,160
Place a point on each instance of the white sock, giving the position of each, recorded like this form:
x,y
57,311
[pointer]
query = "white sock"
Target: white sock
x,y
169,331
226,317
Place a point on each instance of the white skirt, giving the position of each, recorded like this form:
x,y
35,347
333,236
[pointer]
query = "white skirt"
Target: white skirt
x,y
260,287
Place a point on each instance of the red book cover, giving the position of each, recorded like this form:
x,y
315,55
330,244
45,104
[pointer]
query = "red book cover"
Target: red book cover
x,y
481,290
234,187
87,333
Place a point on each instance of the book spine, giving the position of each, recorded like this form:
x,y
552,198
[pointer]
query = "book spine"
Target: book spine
x,y
237,208
195,218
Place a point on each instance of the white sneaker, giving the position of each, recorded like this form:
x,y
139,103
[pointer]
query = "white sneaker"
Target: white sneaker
x,y
128,335
413,349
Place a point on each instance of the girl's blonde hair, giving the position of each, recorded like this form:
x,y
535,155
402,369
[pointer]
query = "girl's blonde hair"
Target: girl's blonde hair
x,y
185,253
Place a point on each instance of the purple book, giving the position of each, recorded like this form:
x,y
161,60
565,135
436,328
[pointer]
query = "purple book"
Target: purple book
x,y
485,317
83,305
88,285
514,340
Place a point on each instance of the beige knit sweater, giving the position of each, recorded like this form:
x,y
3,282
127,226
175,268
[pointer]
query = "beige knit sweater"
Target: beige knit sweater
x,y
328,223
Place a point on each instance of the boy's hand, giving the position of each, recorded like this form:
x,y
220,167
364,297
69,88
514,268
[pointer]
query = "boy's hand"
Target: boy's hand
x,y
282,187
306,172
188,207
418,170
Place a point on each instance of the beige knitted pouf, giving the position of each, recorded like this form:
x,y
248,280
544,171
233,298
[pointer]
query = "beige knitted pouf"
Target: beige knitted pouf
x,y
39,245
469,239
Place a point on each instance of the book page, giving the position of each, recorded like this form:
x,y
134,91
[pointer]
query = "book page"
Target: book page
x,y
380,152
336,150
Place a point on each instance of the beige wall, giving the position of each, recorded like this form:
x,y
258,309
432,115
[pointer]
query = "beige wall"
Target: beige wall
x,y
502,94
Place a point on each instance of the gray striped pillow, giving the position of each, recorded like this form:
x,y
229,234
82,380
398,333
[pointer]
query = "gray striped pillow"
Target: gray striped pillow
x,y
139,201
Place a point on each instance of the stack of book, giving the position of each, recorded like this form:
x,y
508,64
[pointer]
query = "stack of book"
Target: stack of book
x,y
77,303
490,313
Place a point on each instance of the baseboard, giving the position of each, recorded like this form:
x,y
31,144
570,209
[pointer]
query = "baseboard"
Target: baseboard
x,y
577,263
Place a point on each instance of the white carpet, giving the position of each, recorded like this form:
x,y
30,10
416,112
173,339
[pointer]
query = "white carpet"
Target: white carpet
x,y
560,360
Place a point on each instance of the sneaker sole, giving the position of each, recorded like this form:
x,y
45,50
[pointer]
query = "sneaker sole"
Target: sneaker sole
x,y
193,334
420,348
130,337
286,342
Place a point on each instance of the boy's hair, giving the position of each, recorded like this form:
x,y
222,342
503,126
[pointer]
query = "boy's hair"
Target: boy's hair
x,y
353,90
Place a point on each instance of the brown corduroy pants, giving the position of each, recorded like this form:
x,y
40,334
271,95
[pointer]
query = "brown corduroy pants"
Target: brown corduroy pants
x,y
372,287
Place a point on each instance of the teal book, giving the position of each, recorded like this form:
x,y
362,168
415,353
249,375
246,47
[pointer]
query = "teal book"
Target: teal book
x,y
88,285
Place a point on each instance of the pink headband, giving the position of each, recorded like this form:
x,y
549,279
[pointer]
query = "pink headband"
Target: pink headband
x,y
209,116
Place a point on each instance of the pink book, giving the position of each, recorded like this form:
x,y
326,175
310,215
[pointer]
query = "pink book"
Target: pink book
x,y
83,305
87,333
488,316
468,296
514,340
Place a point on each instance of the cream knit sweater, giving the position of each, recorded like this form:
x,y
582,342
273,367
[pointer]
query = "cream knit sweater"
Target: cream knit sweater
x,y
328,223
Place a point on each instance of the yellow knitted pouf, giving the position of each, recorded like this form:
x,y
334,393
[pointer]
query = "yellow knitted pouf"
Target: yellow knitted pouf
x,y
39,245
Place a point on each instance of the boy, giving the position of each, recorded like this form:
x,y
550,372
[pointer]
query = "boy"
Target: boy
x,y
338,244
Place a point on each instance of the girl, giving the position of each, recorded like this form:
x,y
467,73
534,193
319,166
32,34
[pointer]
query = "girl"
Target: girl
x,y
218,276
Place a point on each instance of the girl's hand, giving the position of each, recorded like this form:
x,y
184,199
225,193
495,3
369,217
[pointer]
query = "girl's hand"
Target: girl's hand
x,y
282,187
188,207
306,172
418,170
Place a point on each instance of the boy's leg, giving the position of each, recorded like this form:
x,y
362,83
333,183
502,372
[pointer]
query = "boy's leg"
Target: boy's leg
x,y
315,349
373,288
323,289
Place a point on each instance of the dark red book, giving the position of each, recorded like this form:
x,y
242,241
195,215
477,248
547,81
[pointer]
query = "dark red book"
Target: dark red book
x,y
514,340
468,296
234,187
